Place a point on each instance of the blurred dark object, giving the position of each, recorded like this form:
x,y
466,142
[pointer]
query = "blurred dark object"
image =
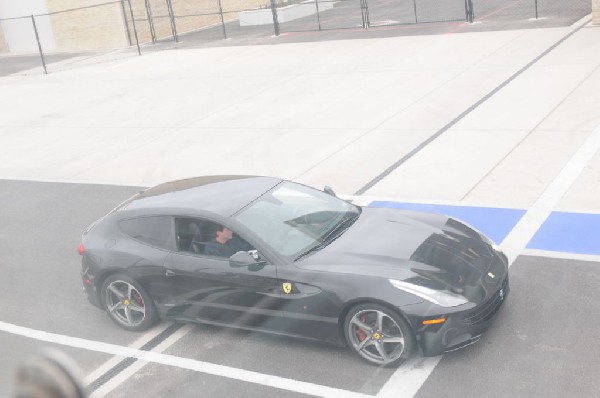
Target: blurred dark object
x,y
50,374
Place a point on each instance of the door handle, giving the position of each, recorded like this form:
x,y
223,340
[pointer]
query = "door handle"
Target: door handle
x,y
169,272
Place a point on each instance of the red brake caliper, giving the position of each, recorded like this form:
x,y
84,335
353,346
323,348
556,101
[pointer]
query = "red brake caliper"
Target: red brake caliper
x,y
138,299
361,333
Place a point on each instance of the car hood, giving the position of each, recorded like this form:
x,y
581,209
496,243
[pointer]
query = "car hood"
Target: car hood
x,y
421,248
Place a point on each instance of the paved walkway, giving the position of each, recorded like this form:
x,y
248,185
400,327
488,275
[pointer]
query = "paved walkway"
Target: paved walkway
x,y
484,119
335,112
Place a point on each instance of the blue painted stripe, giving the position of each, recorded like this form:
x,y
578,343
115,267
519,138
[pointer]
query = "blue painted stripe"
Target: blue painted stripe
x,y
569,232
494,222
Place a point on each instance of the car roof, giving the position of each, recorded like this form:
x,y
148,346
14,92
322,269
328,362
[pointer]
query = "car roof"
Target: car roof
x,y
223,195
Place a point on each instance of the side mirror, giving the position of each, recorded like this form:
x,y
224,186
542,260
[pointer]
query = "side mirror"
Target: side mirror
x,y
247,259
329,191
241,259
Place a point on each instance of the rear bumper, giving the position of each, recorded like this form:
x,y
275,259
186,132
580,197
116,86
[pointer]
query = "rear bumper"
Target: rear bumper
x,y
89,288
461,328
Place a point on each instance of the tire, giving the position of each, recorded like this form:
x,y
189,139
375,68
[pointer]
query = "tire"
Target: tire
x,y
378,334
127,303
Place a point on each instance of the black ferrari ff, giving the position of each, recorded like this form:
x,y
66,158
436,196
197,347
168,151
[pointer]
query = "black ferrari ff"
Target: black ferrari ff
x,y
269,255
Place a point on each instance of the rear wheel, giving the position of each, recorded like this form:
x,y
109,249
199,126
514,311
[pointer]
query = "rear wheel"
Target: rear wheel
x,y
127,303
378,334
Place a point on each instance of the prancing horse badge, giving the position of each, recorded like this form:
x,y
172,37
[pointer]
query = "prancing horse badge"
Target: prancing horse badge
x,y
287,287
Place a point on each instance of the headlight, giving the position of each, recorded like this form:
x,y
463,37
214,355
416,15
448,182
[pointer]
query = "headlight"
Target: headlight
x,y
444,299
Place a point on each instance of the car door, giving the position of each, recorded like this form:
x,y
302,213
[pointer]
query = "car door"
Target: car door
x,y
311,307
209,289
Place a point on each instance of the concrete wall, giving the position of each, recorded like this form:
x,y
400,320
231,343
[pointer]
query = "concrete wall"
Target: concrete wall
x,y
596,11
19,34
99,27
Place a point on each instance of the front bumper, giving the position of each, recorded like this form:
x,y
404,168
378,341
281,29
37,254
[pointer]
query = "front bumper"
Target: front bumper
x,y
461,328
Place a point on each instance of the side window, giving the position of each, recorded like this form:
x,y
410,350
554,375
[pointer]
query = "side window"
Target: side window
x,y
208,238
191,233
155,231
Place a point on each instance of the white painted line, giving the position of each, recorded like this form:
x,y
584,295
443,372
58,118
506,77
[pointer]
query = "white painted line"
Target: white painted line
x,y
408,379
139,343
521,234
183,363
562,255
585,20
123,376
412,378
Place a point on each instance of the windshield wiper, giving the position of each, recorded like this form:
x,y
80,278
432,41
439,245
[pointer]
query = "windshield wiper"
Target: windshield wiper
x,y
339,229
332,235
313,249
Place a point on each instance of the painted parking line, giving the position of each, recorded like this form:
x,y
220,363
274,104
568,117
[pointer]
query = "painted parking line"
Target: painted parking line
x,y
137,344
540,227
569,232
540,211
561,232
523,232
182,363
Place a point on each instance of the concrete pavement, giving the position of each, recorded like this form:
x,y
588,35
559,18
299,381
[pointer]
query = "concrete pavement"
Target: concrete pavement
x,y
334,113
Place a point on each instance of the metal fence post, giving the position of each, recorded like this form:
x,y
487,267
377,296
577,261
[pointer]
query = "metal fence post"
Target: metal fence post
x,y
318,16
150,21
470,15
536,9
126,23
362,13
37,38
275,17
137,42
172,17
222,20
364,8
415,7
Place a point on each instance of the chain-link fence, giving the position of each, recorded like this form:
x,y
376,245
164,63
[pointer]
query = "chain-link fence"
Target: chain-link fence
x,y
208,20
71,36
570,10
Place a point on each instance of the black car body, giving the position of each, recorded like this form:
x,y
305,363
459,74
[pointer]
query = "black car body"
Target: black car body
x,y
306,264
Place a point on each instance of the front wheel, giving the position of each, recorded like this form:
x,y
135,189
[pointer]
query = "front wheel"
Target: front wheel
x,y
378,334
127,303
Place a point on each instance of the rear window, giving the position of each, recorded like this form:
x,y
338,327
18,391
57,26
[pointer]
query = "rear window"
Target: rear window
x,y
156,231
120,206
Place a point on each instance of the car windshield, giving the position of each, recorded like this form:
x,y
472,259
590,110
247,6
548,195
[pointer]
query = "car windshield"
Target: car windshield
x,y
294,219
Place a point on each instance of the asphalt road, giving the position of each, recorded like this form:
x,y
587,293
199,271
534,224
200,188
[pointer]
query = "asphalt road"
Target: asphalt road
x,y
10,64
543,343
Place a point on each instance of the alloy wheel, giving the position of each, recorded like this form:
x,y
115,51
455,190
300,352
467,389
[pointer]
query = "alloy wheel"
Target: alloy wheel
x,y
376,336
125,303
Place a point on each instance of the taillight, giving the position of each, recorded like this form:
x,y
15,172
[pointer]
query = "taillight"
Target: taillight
x,y
80,249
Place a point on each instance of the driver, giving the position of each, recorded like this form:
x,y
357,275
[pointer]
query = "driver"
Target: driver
x,y
218,246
